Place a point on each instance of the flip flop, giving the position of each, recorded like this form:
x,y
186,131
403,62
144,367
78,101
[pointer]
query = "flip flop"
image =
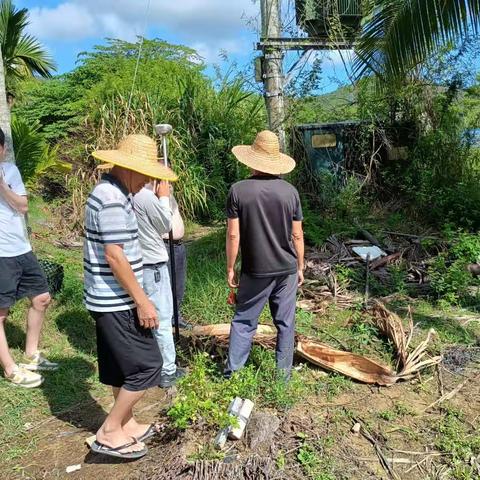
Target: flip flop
x,y
102,449
152,430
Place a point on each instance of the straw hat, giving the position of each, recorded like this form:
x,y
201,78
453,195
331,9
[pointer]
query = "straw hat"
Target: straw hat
x,y
139,154
264,155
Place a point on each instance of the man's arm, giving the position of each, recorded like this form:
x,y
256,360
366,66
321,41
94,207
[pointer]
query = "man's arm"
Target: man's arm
x,y
233,245
16,202
298,243
122,270
158,208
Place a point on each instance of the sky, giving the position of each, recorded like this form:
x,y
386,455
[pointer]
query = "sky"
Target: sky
x,y
69,27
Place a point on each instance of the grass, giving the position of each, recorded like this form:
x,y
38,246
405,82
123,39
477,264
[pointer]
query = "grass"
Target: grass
x,y
454,439
314,459
204,395
69,338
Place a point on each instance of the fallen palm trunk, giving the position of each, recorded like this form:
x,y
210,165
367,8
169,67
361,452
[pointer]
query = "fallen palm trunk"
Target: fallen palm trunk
x,y
265,336
354,366
349,364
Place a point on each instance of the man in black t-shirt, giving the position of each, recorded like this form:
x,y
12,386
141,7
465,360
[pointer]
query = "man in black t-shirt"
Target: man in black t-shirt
x,y
265,223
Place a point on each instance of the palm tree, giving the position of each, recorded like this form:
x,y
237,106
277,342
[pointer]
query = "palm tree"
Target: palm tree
x,y
5,119
398,35
23,55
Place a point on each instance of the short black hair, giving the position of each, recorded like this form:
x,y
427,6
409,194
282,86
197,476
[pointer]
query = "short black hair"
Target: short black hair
x,y
2,138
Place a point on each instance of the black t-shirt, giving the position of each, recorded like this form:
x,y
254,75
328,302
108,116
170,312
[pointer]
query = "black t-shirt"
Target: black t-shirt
x,y
266,207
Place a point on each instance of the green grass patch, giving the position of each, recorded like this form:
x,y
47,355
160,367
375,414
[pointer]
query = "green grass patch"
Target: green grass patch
x,y
204,395
455,439
68,337
314,459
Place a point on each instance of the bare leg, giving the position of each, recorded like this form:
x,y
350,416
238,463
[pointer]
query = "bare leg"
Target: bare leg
x,y
111,433
130,426
36,315
5,358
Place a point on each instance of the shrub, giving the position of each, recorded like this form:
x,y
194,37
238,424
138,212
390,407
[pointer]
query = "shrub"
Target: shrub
x,y
37,161
449,276
204,395
331,208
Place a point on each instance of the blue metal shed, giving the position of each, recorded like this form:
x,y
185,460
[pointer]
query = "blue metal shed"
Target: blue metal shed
x,y
324,145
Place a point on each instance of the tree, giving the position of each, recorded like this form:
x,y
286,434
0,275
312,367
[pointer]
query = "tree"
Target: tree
x,y
23,55
5,120
398,35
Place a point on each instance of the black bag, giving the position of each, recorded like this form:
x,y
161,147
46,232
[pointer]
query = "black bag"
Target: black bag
x,y
54,273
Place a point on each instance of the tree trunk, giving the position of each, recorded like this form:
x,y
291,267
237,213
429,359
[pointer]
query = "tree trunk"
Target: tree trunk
x,y
5,119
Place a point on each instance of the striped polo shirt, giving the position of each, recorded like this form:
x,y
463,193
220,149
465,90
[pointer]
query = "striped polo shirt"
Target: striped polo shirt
x,y
109,219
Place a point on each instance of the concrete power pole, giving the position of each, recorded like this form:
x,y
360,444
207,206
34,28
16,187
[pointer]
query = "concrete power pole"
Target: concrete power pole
x,y
273,79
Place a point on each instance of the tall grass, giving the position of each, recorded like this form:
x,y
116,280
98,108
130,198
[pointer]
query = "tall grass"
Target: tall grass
x,y
208,121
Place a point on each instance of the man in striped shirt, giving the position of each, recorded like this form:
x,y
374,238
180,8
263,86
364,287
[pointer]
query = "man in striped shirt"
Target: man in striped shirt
x,y
129,359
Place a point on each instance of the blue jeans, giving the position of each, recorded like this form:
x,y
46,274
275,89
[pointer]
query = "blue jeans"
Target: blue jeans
x,y
159,291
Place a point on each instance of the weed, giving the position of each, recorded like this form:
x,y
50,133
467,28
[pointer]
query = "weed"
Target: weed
x,y
204,395
398,275
281,461
345,275
388,415
454,439
314,461
333,385
400,409
206,452
403,410
449,275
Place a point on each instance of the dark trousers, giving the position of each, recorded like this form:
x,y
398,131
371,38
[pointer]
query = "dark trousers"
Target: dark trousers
x,y
253,294
180,270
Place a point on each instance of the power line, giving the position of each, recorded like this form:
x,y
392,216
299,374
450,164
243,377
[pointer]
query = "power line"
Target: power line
x,y
140,47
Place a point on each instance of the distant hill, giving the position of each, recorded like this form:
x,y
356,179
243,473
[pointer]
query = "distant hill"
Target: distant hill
x,y
336,106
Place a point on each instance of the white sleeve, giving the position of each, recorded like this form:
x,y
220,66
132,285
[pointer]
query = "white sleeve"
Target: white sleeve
x,y
15,182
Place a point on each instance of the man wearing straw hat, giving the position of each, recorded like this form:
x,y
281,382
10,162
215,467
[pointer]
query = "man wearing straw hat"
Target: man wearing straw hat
x,y
129,359
265,222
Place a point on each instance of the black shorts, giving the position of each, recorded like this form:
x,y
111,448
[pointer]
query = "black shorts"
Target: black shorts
x,y
20,277
128,354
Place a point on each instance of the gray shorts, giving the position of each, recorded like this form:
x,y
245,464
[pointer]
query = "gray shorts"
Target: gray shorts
x,y
20,277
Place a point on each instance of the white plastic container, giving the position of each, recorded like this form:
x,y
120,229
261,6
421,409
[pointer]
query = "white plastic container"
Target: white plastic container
x,y
243,417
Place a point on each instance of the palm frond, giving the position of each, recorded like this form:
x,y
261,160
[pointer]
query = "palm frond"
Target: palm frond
x,y
23,55
33,56
398,35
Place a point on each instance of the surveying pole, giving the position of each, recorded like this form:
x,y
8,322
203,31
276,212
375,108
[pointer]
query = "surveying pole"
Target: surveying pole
x,y
273,68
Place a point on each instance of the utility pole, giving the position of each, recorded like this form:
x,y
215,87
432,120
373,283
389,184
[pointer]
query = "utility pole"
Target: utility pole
x,y
313,21
273,79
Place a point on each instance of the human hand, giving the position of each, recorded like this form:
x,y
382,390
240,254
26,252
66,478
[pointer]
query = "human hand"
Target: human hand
x,y
301,278
232,279
147,315
163,189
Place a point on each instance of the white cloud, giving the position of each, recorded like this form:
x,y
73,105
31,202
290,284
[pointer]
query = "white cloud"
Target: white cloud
x,y
212,25
67,21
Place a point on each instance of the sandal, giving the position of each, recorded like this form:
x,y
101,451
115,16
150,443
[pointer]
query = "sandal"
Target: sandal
x,y
102,449
152,430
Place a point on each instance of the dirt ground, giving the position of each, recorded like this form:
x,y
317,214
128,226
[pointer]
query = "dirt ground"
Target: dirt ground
x,y
406,442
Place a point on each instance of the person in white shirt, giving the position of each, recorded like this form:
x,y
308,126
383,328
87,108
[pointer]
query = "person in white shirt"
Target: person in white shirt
x,y
180,251
154,218
21,276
